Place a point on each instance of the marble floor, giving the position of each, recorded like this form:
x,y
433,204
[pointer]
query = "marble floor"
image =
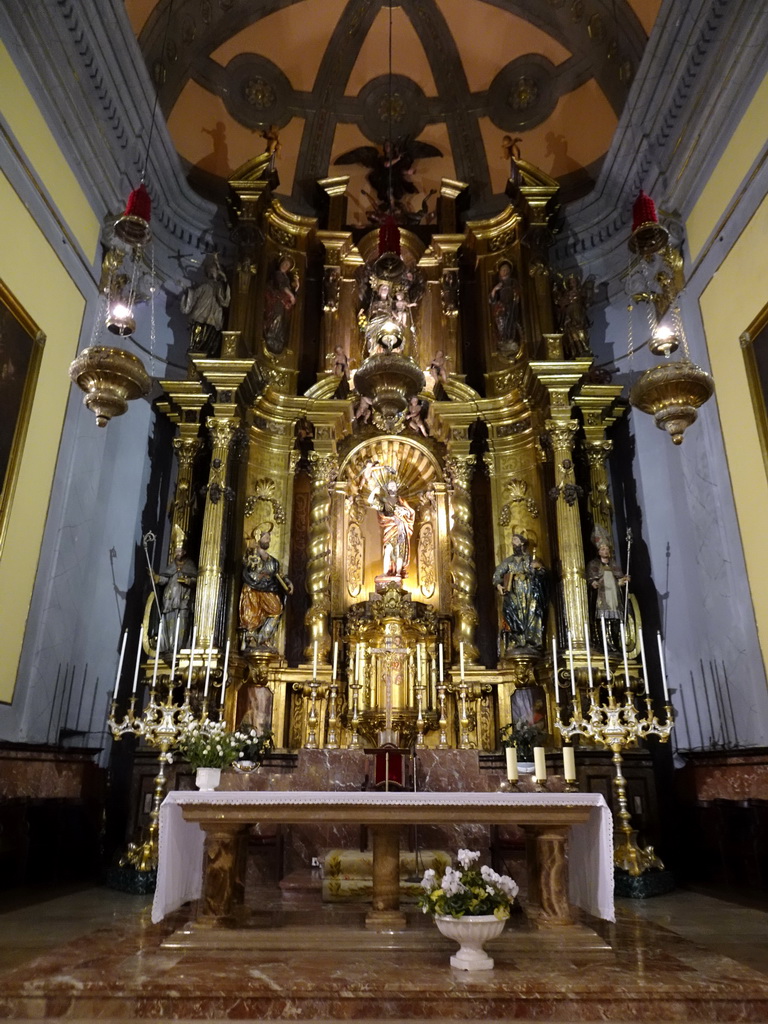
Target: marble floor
x,y
93,954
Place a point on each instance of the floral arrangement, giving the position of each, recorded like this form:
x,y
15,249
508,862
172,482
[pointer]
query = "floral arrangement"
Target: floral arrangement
x,y
524,736
255,746
467,890
210,744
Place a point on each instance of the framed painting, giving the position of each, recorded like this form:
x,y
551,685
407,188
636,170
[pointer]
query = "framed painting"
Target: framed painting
x,y
21,352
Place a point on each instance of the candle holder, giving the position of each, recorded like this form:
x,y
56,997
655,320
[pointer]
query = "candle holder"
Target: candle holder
x,y
618,725
355,742
159,724
332,739
442,720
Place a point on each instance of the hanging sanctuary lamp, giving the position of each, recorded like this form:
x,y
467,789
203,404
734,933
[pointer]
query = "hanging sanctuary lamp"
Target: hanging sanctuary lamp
x,y
671,391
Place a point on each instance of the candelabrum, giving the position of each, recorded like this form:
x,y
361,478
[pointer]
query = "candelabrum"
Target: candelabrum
x,y
618,725
159,723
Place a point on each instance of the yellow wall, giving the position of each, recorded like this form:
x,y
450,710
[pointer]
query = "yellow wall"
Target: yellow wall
x,y
32,271
730,302
720,192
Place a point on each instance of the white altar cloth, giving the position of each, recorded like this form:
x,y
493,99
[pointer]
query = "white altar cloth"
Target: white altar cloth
x,y
590,845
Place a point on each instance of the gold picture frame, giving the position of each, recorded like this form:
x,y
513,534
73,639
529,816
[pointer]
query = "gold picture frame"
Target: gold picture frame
x,y
21,352
754,343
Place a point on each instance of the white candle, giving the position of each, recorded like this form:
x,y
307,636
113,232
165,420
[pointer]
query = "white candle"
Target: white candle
x,y
358,660
554,670
157,656
642,658
138,661
208,667
335,658
570,658
624,654
191,657
224,674
539,764
589,655
175,645
440,658
663,669
605,651
120,664
511,756
418,663
314,662
461,660
569,764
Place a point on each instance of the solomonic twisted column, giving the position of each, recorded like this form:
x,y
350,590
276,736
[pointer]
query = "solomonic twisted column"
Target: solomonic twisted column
x,y
463,568
319,560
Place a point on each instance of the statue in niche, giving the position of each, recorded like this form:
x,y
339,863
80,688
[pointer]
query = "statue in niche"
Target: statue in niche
x,y
523,583
505,310
572,299
263,594
279,300
179,579
383,331
204,305
396,517
605,579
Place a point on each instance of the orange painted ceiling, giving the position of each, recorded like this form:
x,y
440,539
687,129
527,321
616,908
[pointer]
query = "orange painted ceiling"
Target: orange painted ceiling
x,y
336,75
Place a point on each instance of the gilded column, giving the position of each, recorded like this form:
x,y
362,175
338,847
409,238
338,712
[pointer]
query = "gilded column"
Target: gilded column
x,y
209,580
599,497
598,404
463,568
569,535
324,468
186,449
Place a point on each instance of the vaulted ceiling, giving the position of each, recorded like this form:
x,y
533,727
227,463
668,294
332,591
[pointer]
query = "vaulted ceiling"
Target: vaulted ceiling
x,y
464,73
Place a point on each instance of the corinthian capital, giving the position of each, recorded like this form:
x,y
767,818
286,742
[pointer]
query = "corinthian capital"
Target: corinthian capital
x,y
561,434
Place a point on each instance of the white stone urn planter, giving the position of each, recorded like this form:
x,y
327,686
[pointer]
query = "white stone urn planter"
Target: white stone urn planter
x,y
471,933
207,778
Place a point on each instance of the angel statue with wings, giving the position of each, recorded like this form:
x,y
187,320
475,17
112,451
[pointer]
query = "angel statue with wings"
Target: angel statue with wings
x,y
390,175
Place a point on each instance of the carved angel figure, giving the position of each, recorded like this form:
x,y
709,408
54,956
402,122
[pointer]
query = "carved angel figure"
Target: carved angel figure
x,y
390,173
572,299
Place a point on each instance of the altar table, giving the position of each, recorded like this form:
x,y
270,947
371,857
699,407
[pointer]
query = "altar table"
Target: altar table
x,y
569,842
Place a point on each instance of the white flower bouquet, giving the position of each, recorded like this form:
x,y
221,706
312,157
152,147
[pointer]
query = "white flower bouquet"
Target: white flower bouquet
x,y
211,745
468,890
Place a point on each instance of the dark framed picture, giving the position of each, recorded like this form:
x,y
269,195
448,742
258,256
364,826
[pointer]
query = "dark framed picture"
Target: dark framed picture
x,y
21,351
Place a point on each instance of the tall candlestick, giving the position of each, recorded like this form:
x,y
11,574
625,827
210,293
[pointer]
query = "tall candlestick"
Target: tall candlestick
x,y
191,658
569,764
138,662
663,669
623,633
642,658
570,658
208,668
120,664
175,646
589,655
461,660
335,658
511,757
440,659
314,662
605,651
539,764
554,670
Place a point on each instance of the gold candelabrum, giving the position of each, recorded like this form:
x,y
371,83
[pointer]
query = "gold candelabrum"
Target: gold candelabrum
x,y
617,724
161,721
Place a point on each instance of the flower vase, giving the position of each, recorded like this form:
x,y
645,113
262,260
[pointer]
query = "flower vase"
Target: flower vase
x,y
207,778
471,933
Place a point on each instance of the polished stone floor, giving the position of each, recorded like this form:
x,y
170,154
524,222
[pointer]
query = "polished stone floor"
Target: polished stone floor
x,y
93,954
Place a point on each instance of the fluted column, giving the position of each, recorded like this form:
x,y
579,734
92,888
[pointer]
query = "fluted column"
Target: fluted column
x,y
209,580
463,569
319,555
600,406
599,496
566,494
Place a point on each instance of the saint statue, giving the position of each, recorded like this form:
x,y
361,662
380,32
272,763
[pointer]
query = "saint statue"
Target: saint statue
x,y
204,306
505,310
523,583
264,591
606,578
279,300
179,578
395,515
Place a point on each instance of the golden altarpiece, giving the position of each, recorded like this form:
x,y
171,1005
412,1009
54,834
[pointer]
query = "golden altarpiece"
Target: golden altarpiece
x,y
392,414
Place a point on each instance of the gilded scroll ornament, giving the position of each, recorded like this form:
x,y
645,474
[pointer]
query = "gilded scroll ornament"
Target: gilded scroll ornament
x,y
264,492
355,559
427,575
